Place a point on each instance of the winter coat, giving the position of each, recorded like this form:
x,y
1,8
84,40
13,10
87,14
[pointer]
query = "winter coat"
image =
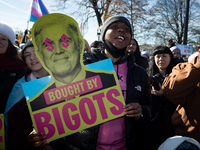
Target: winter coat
x,y
7,81
138,90
160,126
182,87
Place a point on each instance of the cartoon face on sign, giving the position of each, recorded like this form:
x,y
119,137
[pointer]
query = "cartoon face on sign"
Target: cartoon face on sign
x,y
77,97
59,44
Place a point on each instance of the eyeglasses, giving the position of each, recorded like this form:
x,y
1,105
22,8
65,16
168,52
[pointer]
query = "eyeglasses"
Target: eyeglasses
x,y
28,55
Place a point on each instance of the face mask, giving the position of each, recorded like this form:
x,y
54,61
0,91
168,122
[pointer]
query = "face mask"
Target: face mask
x,y
115,52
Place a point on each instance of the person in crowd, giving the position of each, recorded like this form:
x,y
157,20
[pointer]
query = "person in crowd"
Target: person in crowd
x,y
134,48
24,39
176,53
120,133
145,54
181,87
160,127
17,118
12,67
96,44
184,58
150,61
171,43
16,43
179,143
87,46
192,56
116,35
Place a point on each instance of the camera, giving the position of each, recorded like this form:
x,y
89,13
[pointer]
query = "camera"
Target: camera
x,y
155,80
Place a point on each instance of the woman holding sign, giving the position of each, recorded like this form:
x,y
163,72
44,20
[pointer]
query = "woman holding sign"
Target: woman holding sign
x,y
125,132
17,118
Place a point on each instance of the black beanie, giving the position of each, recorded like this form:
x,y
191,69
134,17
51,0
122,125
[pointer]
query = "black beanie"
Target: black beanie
x,y
112,20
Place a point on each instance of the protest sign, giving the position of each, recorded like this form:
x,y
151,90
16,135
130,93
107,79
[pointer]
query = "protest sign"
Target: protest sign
x,y
76,97
2,133
185,49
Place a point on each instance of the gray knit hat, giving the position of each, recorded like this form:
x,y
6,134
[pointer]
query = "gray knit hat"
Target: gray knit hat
x,y
28,44
112,20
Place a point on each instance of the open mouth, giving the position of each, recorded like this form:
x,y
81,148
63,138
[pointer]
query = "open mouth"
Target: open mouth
x,y
34,63
121,38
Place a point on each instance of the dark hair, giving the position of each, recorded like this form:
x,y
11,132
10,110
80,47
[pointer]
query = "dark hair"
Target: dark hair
x,y
12,51
137,53
162,50
28,44
139,60
28,70
170,43
95,44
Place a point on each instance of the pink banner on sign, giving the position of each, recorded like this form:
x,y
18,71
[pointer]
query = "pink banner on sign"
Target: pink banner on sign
x,y
72,89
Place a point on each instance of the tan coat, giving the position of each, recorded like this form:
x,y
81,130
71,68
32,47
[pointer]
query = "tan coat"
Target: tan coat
x,y
182,87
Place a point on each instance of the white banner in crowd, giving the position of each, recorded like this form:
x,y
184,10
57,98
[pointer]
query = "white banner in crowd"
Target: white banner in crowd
x,y
185,49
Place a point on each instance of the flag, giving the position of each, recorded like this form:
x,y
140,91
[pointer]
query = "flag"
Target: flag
x,y
80,28
37,9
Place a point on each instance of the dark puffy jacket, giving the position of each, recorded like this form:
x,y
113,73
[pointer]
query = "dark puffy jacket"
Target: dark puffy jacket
x,y
7,81
138,90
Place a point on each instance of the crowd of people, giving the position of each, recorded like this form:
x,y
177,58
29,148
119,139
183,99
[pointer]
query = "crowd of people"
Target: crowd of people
x,y
160,91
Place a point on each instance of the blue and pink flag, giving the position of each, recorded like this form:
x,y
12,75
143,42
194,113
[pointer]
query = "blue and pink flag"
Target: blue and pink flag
x,y
37,10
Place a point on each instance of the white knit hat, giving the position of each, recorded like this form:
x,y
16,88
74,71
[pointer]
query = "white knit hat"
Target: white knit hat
x,y
174,48
145,53
173,142
6,30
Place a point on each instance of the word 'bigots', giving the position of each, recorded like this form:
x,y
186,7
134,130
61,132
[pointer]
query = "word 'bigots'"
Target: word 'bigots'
x,y
73,89
72,116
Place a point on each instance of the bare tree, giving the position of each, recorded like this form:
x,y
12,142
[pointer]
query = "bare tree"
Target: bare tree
x,y
135,10
86,8
168,18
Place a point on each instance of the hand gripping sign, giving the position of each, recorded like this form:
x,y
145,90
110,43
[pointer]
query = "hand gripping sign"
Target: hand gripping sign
x,y
77,97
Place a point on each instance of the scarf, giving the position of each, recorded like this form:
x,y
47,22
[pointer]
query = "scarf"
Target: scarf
x,y
9,64
115,52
